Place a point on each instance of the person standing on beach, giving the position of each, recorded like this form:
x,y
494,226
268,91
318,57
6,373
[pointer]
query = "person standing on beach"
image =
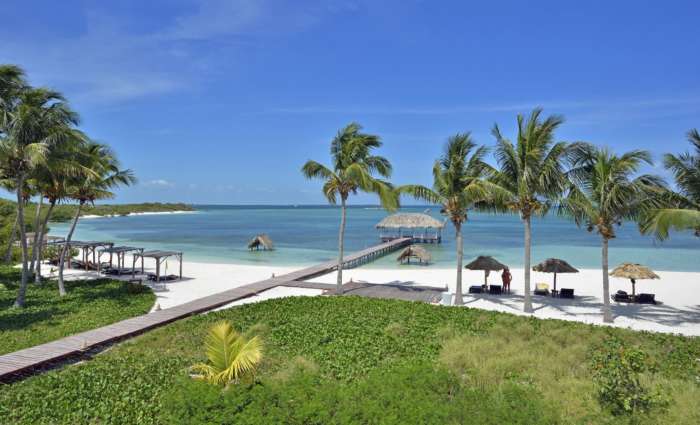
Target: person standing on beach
x,y
506,277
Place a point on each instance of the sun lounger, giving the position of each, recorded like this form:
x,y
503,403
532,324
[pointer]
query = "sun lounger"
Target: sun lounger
x,y
495,290
621,297
645,299
541,289
566,293
168,278
476,289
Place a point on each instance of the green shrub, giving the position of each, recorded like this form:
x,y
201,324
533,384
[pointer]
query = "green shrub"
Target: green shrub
x,y
619,372
413,392
325,356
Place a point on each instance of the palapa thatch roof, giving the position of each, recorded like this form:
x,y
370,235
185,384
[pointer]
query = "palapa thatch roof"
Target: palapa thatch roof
x,y
485,262
410,220
633,271
415,251
554,265
261,240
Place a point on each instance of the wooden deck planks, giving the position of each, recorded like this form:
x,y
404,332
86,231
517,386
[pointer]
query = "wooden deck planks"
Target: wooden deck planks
x,y
20,361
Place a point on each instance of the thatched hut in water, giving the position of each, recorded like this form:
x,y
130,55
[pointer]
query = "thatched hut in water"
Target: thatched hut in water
x,y
414,251
261,241
421,228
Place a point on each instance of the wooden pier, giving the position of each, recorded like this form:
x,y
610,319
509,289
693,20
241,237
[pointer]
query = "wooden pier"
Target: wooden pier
x,y
14,366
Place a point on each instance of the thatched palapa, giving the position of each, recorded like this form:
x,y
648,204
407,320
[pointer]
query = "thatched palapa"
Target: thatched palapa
x,y
554,265
414,251
259,241
420,227
487,264
633,272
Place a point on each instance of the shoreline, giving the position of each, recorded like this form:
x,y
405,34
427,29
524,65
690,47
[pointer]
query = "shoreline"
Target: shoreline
x,y
90,216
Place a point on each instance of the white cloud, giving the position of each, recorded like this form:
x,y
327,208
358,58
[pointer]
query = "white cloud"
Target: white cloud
x,y
159,183
110,62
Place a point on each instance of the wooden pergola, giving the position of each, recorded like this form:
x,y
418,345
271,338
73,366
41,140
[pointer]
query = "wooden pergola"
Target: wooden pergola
x,y
121,252
88,248
159,257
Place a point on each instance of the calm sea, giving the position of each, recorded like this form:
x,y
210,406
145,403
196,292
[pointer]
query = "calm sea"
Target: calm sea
x,y
308,234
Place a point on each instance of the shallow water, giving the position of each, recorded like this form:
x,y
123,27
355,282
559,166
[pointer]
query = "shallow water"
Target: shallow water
x,y
308,235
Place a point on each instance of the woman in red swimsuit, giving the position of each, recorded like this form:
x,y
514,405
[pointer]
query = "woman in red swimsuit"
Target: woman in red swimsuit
x,y
506,277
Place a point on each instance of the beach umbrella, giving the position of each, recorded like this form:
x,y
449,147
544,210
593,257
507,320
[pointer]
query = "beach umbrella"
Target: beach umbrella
x,y
554,265
633,272
485,263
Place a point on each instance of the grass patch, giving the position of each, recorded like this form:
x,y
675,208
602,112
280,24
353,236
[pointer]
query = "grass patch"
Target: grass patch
x,y
48,316
356,360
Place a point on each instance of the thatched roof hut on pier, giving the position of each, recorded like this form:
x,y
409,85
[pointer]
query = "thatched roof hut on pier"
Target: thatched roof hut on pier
x,y
261,241
421,228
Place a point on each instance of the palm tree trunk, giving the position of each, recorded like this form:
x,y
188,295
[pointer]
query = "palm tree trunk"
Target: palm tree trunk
x,y
37,218
527,306
11,241
607,313
41,231
65,249
341,237
19,302
460,253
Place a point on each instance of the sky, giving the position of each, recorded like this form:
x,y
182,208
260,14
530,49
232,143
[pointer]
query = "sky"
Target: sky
x,y
222,101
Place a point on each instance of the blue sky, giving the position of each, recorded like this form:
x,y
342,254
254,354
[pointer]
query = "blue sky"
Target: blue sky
x,y
222,101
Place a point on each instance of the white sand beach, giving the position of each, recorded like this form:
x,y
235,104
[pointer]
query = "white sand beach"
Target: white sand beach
x,y
138,213
678,292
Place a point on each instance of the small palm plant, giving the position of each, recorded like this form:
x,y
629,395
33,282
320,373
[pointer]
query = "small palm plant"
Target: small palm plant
x,y
684,211
605,193
231,356
460,183
352,171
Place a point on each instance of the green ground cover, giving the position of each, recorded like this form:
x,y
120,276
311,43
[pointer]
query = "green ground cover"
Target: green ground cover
x,y
89,304
355,360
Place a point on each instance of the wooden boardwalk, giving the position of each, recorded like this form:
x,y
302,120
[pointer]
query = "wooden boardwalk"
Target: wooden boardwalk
x,y
14,365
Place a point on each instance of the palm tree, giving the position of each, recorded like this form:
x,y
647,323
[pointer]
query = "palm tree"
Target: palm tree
x,y
51,179
460,183
684,211
531,172
352,170
231,355
605,193
11,83
101,174
38,119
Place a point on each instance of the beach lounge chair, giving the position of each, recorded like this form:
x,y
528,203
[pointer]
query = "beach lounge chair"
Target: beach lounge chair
x,y
541,289
476,289
495,290
566,293
645,299
621,297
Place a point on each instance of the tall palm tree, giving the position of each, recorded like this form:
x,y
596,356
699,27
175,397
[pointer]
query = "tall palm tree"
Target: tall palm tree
x,y
460,183
51,179
352,170
605,193
684,211
11,83
531,171
37,119
101,175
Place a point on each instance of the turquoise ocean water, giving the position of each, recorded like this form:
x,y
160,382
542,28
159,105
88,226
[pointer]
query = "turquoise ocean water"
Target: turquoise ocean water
x,y
308,234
